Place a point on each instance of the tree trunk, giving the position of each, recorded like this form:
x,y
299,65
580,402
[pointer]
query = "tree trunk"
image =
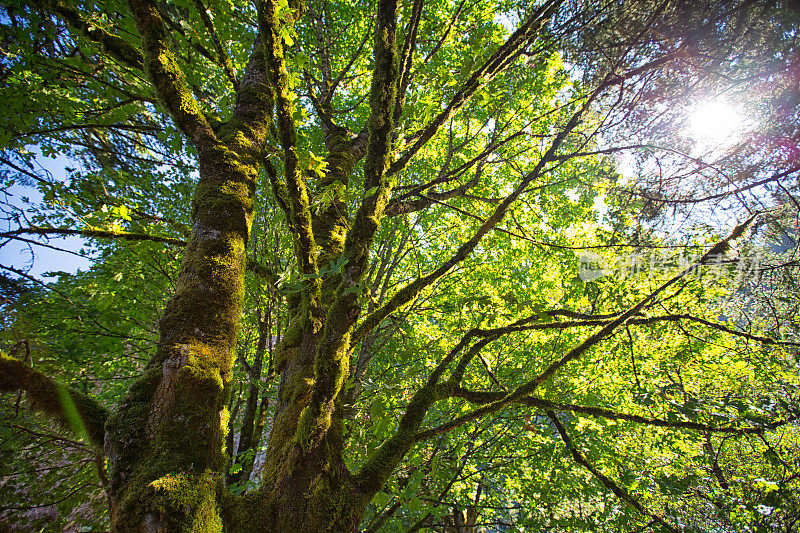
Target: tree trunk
x,y
306,486
165,444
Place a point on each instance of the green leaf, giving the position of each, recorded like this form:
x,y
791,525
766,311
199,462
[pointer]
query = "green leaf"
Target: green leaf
x,y
381,499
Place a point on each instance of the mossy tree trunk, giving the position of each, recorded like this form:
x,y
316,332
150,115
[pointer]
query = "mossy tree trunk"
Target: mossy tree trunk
x,y
166,442
306,485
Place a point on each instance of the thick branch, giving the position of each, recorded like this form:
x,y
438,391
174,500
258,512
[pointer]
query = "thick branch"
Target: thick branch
x,y
94,233
247,132
270,25
167,77
70,408
116,47
331,361
483,397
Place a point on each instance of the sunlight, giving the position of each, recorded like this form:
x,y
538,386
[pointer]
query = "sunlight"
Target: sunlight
x,y
716,123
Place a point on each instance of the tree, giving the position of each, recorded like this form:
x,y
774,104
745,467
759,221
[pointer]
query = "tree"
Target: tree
x,y
409,218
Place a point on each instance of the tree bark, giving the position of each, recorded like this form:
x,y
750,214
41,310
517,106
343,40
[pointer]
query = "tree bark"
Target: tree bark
x,y
166,442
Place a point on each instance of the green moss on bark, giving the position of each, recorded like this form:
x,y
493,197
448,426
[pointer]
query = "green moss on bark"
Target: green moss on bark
x,y
70,408
169,436
186,502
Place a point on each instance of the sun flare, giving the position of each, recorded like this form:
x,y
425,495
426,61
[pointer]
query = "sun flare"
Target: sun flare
x,y
716,123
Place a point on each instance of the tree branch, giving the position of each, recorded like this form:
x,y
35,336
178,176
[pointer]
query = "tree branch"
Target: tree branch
x,y
93,233
452,174
70,408
718,249
270,23
412,289
447,31
483,397
167,78
493,67
256,268
599,320
222,55
262,271
406,59
378,467
328,96
423,201
776,177
331,360
527,388
118,48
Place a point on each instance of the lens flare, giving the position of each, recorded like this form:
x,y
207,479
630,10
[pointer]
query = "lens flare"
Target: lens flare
x,y
716,123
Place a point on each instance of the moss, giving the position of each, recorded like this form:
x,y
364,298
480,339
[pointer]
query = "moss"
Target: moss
x,y
200,375
246,137
179,502
157,475
70,408
306,428
213,194
294,332
150,434
172,479
121,49
167,77
224,421
182,396
126,429
326,502
194,496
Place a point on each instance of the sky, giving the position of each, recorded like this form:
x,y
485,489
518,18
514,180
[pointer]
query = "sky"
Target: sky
x,y
37,260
